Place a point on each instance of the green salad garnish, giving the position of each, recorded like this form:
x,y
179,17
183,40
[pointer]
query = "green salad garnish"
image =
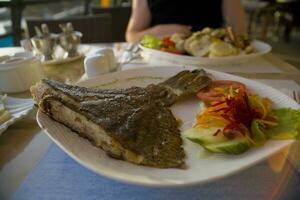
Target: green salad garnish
x,y
151,42
288,125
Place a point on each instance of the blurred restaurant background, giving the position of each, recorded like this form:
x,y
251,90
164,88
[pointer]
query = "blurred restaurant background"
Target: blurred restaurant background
x,y
275,21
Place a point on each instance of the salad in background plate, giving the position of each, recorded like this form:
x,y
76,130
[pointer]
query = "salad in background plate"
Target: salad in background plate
x,y
209,42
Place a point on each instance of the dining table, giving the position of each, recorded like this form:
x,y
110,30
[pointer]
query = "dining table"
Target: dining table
x,y
32,166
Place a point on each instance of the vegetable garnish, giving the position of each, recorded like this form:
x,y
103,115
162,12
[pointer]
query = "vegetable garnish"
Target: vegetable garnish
x,y
151,42
242,119
288,124
165,44
208,43
219,89
235,112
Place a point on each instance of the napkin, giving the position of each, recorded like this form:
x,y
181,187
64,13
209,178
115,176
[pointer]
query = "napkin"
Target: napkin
x,y
57,176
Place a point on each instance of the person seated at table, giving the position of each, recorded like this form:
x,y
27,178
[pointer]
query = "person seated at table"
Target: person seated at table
x,y
166,17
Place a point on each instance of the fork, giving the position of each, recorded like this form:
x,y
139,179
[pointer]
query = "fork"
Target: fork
x,y
296,96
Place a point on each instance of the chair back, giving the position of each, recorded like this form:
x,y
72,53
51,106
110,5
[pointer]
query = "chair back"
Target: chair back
x,y
120,18
95,28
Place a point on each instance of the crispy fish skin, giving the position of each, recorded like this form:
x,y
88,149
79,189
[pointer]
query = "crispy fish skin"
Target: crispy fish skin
x,y
132,124
183,84
186,83
135,147
133,128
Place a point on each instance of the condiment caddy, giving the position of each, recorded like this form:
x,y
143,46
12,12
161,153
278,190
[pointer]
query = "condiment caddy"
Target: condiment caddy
x,y
54,48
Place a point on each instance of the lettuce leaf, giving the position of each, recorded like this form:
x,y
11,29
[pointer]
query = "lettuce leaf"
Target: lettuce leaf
x,y
288,124
151,42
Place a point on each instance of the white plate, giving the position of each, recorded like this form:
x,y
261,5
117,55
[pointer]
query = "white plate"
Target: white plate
x,y
18,108
199,170
153,56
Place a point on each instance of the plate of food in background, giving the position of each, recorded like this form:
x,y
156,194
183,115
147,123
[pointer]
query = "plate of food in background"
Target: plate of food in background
x,y
208,46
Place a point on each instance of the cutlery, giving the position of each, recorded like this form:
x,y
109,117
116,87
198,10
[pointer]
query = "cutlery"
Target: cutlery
x,y
130,53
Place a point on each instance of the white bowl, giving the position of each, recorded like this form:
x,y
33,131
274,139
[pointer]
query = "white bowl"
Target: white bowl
x,y
19,71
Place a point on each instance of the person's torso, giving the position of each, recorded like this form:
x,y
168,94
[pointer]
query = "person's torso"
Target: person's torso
x,y
196,13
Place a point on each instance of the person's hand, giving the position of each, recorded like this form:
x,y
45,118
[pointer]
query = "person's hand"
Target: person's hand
x,y
169,29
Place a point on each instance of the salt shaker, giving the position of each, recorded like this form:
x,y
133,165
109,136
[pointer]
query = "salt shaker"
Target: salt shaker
x,y
44,43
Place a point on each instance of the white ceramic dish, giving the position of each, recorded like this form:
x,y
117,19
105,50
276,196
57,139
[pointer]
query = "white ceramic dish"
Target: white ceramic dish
x,y
19,71
199,169
153,56
18,108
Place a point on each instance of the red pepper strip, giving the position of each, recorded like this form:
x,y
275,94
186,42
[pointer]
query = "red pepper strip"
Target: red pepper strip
x,y
217,132
226,111
220,109
218,103
227,118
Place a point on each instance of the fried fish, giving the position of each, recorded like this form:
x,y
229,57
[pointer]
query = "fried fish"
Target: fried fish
x,y
132,124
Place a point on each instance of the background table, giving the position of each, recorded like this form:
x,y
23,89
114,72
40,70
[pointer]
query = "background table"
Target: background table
x,y
17,7
24,143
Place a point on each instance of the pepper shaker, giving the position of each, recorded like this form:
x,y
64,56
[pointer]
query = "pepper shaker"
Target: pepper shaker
x,y
69,40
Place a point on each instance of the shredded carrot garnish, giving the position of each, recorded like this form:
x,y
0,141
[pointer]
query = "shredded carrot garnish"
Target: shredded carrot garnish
x,y
236,113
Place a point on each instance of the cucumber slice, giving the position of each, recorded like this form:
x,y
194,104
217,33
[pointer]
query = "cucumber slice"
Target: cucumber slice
x,y
236,146
258,135
204,135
